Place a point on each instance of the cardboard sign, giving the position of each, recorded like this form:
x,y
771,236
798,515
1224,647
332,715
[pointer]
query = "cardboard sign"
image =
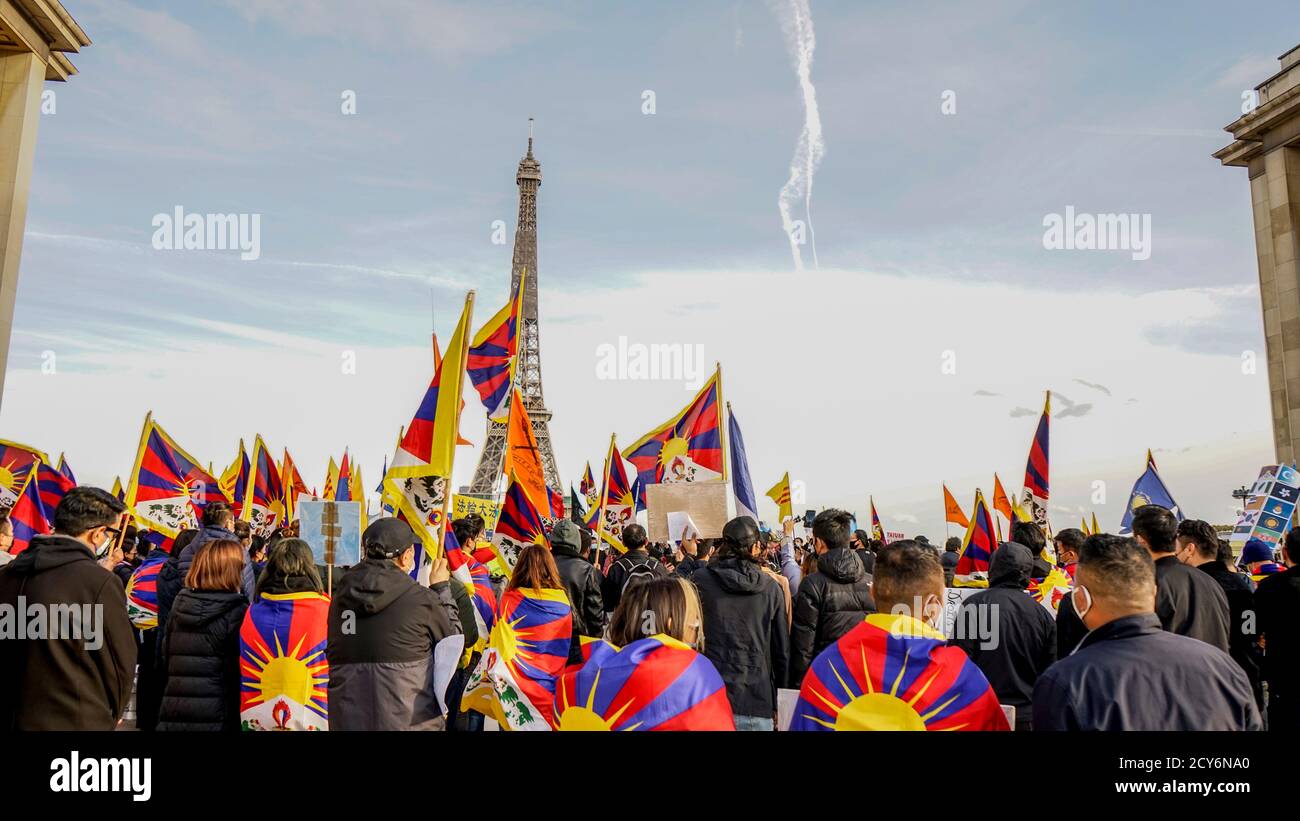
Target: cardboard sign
x,y
333,529
704,502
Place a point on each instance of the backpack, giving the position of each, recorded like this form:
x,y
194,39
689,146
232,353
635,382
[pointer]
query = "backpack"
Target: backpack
x,y
638,571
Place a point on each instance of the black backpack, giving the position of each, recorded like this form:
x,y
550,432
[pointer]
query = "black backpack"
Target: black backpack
x,y
638,570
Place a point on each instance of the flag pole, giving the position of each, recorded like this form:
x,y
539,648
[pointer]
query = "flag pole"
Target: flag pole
x,y
722,428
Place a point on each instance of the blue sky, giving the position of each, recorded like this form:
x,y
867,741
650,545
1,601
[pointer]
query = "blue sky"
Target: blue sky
x,y
663,227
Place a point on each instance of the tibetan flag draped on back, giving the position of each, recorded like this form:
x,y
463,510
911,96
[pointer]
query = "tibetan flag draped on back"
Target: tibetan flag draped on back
x,y
283,672
523,459
655,683
780,493
877,529
1149,489
529,646
66,470
51,485
142,592
264,508
617,507
892,672
28,516
741,485
418,482
1036,493
686,448
519,525
16,464
168,489
492,355
952,512
976,547
234,480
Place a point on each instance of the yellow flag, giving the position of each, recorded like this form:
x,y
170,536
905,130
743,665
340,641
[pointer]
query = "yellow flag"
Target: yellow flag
x,y
780,493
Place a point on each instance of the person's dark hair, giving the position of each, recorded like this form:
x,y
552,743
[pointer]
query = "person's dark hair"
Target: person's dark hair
x,y
464,530
704,547
1292,545
218,514
1201,534
654,606
655,549
863,539
535,569
290,565
1157,526
183,540
832,527
1028,534
634,537
218,565
242,529
1119,570
1225,553
735,534
952,545
905,571
585,537
878,545
1072,537
86,508
475,521
255,550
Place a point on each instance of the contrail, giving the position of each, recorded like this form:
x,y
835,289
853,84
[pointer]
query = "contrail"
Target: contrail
x,y
796,23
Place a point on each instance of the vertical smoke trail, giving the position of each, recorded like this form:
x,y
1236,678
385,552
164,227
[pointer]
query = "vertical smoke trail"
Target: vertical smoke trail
x,y
796,24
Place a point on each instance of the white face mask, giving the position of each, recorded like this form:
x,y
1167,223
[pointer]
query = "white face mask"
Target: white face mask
x,y
1082,611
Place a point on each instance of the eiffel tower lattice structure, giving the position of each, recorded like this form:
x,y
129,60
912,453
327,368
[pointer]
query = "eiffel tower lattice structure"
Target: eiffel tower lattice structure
x,y
528,368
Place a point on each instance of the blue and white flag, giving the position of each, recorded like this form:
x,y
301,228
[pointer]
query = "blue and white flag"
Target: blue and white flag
x,y
746,503
1148,490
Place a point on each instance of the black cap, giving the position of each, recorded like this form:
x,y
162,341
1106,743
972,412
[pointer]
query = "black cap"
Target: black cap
x,y
741,531
387,538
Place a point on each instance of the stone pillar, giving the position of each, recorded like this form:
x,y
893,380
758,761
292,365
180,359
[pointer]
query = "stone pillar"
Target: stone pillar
x,y
22,78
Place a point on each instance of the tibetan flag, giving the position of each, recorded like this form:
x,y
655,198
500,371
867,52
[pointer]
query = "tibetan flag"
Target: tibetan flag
x,y
28,516
418,482
234,480
1036,493
492,354
119,492
16,463
142,592
519,525
1148,490
892,672
976,547
460,440
952,511
877,529
264,507
588,487
617,508
283,672
66,470
1001,502
168,489
523,459
331,481
780,493
528,649
741,485
1049,590
686,448
474,575
294,486
343,482
655,683
51,485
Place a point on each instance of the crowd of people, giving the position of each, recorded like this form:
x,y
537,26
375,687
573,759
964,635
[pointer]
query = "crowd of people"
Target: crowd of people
x,y
1161,630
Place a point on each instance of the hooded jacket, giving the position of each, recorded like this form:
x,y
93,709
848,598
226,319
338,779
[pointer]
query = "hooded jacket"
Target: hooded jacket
x,y
1190,603
1009,636
582,585
830,603
171,576
1129,674
65,683
201,646
383,627
746,633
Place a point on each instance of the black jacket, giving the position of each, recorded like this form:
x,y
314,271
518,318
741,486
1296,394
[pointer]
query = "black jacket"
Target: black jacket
x,y
1070,629
171,576
1241,636
582,582
383,627
1190,603
1131,675
687,566
633,561
1008,635
66,683
1277,601
202,658
831,602
868,560
746,633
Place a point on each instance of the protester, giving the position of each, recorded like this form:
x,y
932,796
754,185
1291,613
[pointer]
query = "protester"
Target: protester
x,y
1068,543
882,674
650,675
218,525
1277,601
1009,636
832,601
1188,602
635,565
6,540
745,618
779,566
244,533
1128,673
78,678
130,561
861,545
695,555
257,556
1030,534
287,625
201,643
951,555
1198,546
1259,559
467,587
383,627
581,583
142,606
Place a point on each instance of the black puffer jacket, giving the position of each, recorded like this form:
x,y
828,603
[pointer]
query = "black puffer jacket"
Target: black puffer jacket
x,y
202,657
831,602
746,633
582,585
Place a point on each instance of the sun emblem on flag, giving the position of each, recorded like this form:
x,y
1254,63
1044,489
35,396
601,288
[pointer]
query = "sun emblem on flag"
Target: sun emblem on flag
x,y
674,448
299,675
8,480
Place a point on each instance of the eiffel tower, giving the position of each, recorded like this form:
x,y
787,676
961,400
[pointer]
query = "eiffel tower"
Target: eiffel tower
x,y
528,369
